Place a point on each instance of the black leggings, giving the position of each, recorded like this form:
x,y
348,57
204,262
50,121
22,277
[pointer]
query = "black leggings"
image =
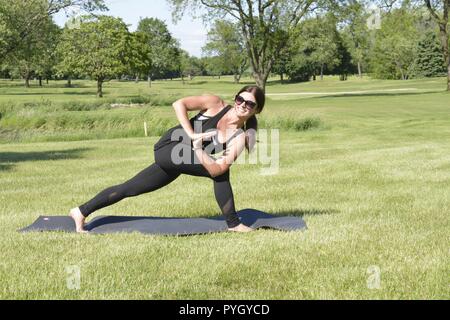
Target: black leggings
x,y
160,174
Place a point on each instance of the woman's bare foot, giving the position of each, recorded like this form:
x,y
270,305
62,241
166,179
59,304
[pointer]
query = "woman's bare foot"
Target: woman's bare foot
x,y
78,217
241,228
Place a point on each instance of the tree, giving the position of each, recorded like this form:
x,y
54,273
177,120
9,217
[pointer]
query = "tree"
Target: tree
x,y
45,66
183,64
439,12
313,47
34,55
193,67
344,65
20,19
214,66
282,57
162,47
429,61
393,53
139,60
356,34
442,19
298,68
260,24
98,48
226,43
318,37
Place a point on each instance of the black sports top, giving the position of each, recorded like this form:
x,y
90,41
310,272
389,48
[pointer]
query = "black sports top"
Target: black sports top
x,y
200,124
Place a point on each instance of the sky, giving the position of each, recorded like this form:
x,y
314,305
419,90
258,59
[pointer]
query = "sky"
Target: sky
x,y
190,33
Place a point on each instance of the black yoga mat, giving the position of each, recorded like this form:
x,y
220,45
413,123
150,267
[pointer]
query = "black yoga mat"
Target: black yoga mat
x,y
167,226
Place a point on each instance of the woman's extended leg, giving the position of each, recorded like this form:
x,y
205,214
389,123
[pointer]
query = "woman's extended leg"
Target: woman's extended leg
x,y
225,199
149,179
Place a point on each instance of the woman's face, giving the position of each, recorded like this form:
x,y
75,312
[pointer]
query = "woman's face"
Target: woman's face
x,y
245,104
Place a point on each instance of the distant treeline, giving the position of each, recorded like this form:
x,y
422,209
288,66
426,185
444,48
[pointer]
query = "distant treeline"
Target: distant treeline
x,y
401,41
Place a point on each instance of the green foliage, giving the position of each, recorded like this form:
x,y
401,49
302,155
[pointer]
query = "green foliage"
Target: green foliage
x,y
344,67
429,60
263,26
74,121
21,19
226,45
162,51
214,65
139,58
393,51
293,123
35,56
315,45
356,34
192,66
318,38
98,48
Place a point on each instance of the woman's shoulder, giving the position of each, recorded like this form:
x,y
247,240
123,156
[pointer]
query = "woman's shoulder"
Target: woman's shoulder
x,y
213,111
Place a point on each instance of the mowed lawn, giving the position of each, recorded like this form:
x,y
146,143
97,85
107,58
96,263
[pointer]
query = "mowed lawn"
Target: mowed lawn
x,y
372,183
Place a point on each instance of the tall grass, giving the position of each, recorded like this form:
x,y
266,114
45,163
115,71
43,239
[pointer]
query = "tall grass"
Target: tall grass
x,y
47,120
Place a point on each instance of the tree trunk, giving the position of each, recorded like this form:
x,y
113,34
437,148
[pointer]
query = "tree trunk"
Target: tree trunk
x,y
359,69
444,42
443,33
448,77
281,77
27,79
99,88
46,80
321,72
260,79
136,80
40,81
149,81
69,82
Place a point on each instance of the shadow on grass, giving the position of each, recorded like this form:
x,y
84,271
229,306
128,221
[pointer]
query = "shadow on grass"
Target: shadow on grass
x,y
381,94
84,93
50,85
8,159
303,212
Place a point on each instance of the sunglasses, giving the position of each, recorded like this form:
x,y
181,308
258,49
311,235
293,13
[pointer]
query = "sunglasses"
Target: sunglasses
x,y
248,104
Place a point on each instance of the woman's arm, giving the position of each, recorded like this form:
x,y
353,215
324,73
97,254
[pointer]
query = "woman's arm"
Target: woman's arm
x,y
182,106
221,165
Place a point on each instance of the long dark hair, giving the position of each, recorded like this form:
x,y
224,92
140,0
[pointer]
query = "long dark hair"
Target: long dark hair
x,y
252,122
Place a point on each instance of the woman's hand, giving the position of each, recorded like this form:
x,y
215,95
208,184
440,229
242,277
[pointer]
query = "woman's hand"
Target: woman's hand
x,y
197,138
241,228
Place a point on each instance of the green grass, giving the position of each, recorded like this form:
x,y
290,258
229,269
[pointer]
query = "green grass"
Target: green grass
x,y
371,178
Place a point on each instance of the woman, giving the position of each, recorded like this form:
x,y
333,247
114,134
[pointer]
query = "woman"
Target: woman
x,y
186,149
